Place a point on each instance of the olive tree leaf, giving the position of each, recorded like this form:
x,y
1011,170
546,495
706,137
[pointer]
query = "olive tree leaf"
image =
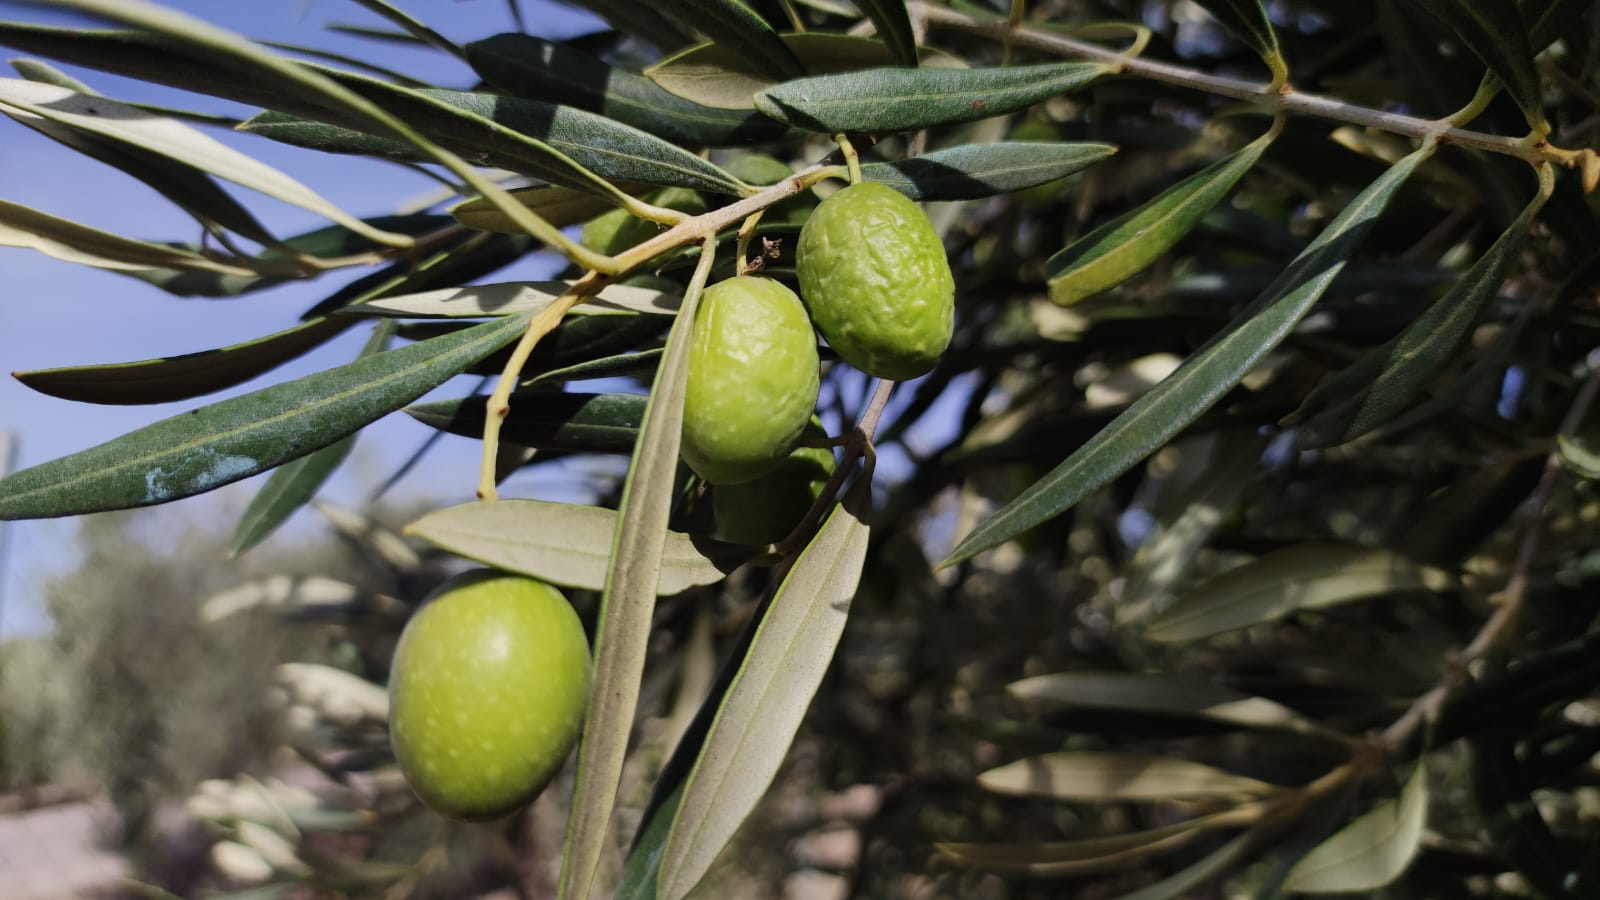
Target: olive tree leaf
x,y
204,449
1218,861
1496,32
762,710
632,582
1109,255
642,869
565,544
1157,694
1301,577
584,423
975,171
1580,454
1385,381
882,100
106,117
516,297
293,484
1370,852
531,67
1204,377
1071,775
712,76
1248,21
74,242
559,144
1503,784
1059,859
171,378
894,26
734,26
560,206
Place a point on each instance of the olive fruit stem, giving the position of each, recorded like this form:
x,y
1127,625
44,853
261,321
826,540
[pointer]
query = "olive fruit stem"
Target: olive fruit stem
x,y
857,444
746,232
851,159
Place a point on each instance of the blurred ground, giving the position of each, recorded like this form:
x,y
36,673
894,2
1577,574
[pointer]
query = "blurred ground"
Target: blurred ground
x,y
54,853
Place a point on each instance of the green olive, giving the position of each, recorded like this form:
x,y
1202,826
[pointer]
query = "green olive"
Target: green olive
x,y
617,230
487,693
765,510
876,281
753,379
761,170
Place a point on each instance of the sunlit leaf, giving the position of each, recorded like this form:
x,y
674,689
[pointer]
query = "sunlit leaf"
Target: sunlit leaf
x,y
68,241
171,378
1580,453
1388,379
565,544
560,206
1157,694
290,593
974,171
1113,252
735,27
1496,32
515,297
710,75
764,706
170,138
293,484
1297,578
204,449
585,423
1371,851
882,100
1117,776
1202,380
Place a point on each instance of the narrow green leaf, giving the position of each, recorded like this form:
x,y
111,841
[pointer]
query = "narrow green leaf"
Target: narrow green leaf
x,y
1157,694
1370,852
1059,859
1503,783
293,484
626,607
1180,883
583,423
560,206
1385,381
207,448
883,100
171,378
763,708
68,241
1496,32
1202,380
515,297
1117,776
565,544
1113,252
642,869
740,30
975,171
559,144
1301,577
186,186
1248,21
711,75
536,69
894,26
1580,453
167,137
643,20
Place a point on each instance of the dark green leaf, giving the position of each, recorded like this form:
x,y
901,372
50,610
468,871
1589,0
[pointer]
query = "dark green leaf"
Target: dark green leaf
x,y
643,20
556,143
182,377
1248,21
1503,791
1123,246
711,75
1204,377
894,26
1496,32
293,484
740,30
560,206
589,423
537,69
1386,380
642,869
207,448
883,100
973,171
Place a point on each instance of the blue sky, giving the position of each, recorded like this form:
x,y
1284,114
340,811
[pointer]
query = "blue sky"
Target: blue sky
x,y
55,314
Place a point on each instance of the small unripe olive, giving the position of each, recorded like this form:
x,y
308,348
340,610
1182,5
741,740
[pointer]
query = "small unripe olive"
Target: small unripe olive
x,y
753,379
765,510
487,693
876,281
761,170
616,230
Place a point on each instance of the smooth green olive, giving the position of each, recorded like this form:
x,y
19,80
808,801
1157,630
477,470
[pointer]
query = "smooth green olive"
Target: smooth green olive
x,y
765,510
487,693
753,379
616,230
876,281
